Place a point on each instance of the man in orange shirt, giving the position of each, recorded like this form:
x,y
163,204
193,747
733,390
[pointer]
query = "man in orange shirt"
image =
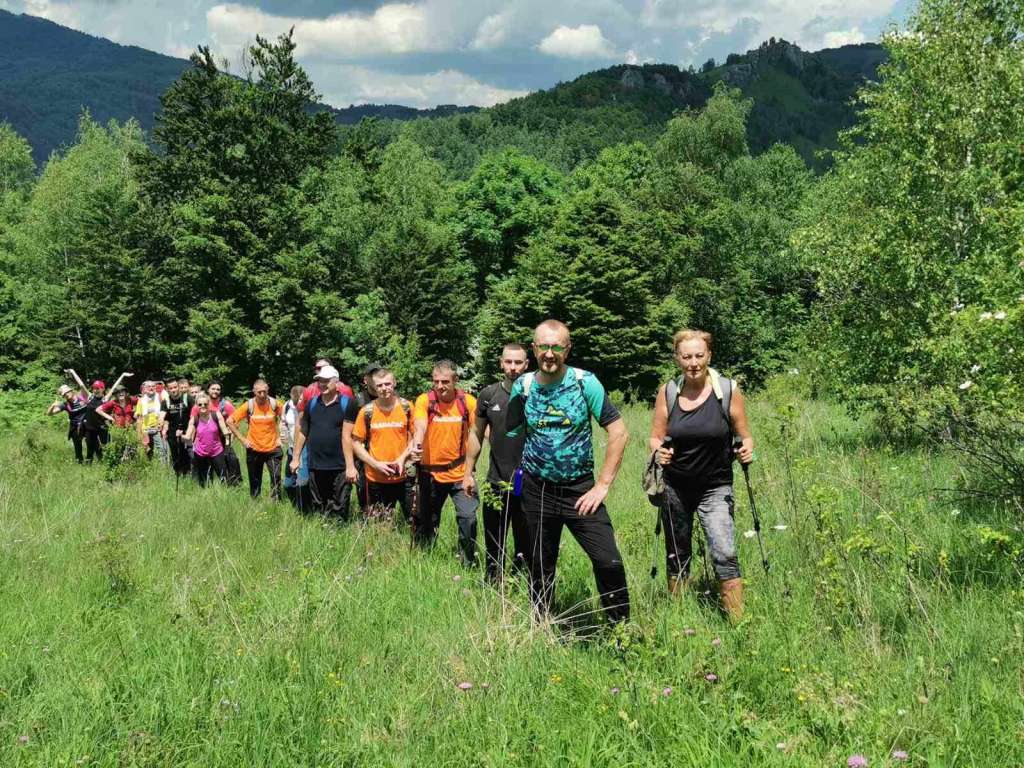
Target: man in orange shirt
x,y
442,419
262,443
381,439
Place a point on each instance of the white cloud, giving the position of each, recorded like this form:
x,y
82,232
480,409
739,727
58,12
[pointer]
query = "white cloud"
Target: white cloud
x,y
805,22
843,37
492,32
363,86
395,28
583,42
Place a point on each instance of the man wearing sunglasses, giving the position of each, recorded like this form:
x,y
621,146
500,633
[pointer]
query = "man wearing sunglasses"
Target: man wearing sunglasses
x,y
554,407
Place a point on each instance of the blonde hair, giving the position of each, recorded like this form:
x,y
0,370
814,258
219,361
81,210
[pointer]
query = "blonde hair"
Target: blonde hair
x,y
689,334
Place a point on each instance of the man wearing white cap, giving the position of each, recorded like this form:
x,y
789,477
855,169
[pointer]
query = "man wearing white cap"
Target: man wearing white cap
x,y
325,426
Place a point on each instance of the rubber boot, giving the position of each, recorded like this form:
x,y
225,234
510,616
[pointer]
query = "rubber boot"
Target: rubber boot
x,y
731,591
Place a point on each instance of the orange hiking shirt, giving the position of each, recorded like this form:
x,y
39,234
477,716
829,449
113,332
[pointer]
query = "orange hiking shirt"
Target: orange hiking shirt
x,y
390,432
262,425
441,444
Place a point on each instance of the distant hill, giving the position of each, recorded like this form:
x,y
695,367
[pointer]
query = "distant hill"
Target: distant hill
x,y
802,99
49,73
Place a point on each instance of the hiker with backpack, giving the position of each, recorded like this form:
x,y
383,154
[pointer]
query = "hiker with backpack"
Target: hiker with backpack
x,y
223,406
179,411
208,433
502,507
442,436
323,430
701,413
75,406
382,441
150,411
262,442
554,408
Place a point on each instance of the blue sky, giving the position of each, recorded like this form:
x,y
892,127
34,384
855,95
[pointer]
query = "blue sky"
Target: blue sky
x,y
427,52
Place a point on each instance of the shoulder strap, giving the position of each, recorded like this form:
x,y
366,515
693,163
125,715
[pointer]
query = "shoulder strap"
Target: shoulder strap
x,y
722,388
672,388
460,402
312,404
527,383
249,408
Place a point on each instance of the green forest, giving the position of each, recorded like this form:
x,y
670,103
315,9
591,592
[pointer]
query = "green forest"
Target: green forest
x,y
248,234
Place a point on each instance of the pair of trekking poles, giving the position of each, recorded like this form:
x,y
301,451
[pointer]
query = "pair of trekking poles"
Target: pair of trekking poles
x,y
666,443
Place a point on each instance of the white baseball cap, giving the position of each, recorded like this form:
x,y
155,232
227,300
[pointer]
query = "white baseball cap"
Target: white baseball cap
x,y
327,372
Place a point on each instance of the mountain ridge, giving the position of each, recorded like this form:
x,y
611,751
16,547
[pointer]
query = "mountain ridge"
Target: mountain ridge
x,y
50,73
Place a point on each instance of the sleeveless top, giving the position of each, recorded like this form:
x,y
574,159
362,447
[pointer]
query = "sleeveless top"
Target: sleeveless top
x,y
700,440
208,442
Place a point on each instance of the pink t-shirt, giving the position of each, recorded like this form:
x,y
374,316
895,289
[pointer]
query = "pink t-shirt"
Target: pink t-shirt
x,y
208,439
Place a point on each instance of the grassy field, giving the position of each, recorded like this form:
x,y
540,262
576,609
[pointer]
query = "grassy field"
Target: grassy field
x,y
142,625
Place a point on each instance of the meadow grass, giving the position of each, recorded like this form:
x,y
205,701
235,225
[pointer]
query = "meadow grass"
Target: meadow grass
x,y
142,625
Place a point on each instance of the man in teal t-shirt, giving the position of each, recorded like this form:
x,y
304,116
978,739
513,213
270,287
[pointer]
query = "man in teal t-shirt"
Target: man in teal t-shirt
x,y
554,407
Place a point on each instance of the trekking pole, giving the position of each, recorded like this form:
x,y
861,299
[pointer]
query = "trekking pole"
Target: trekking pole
x,y
753,511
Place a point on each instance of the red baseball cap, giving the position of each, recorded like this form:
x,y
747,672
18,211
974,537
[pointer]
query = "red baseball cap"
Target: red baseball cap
x,y
98,384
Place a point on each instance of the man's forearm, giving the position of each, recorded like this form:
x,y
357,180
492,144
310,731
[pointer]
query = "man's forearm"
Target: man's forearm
x,y
472,451
616,448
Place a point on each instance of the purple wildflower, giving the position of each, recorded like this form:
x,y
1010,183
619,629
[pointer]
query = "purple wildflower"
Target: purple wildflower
x,y
856,761
23,739
711,677
465,686
666,691
614,691
689,631
899,754
456,578
716,642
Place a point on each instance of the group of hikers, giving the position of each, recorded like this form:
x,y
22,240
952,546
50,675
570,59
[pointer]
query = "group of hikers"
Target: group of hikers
x,y
413,456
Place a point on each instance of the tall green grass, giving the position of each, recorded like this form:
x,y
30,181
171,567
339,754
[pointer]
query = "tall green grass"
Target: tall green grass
x,y
144,625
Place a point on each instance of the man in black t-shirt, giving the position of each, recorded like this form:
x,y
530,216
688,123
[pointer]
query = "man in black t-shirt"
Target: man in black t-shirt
x,y
179,408
326,430
501,506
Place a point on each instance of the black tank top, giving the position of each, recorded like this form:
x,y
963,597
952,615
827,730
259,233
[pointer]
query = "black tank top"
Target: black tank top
x,y
700,441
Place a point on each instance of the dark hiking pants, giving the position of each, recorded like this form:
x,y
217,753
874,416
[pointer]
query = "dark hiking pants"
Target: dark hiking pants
x,y
548,507
504,510
254,463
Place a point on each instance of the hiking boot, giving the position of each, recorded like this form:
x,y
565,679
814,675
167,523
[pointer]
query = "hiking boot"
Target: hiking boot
x,y
677,584
731,591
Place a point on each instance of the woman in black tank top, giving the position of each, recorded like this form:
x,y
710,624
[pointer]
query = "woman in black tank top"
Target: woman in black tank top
x,y
693,437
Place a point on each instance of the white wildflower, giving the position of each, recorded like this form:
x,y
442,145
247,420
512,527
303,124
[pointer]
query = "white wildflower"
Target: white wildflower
x,y
967,384
985,316
749,534
975,368
779,527
1000,315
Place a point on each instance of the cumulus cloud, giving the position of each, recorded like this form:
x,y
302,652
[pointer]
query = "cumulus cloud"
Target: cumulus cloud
x,y
361,85
395,28
811,24
583,42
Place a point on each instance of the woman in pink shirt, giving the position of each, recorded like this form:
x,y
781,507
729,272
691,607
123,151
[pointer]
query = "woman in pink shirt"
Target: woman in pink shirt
x,y
208,433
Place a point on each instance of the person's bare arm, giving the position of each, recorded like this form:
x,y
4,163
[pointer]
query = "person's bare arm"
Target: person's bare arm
x,y
346,449
740,426
618,436
472,452
419,433
190,432
659,427
234,430
117,383
78,381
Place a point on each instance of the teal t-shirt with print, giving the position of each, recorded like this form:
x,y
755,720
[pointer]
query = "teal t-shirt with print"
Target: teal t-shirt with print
x,y
556,417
